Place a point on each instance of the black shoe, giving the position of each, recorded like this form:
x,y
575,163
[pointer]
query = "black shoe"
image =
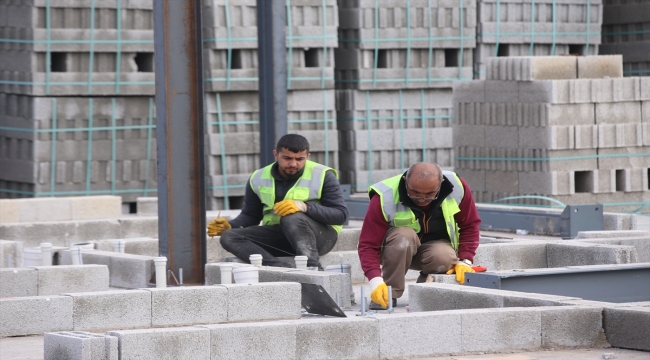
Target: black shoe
x,y
422,278
374,306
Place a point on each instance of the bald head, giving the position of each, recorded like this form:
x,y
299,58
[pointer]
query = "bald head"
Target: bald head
x,y
424,172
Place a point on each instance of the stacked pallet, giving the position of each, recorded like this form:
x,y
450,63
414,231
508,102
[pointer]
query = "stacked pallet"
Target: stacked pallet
x,y
626,31
570,128
76,105
537,28
394,73
231,89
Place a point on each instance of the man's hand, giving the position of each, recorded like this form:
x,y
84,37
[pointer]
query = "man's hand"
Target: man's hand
x,y
217,226
460,269
379,292
288,207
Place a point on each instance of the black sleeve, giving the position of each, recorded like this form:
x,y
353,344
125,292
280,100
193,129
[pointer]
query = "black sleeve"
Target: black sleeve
x,y
331,208
252,212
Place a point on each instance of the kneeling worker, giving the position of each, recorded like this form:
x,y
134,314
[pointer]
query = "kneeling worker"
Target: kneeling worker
x,y
424,219
299,202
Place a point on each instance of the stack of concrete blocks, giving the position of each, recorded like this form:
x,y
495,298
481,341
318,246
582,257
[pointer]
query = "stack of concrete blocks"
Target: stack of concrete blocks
x,y
537,28
394,71
570,128
76,112
232,96
626,31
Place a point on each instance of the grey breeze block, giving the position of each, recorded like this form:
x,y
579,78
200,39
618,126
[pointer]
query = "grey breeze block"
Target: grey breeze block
x,y
79,345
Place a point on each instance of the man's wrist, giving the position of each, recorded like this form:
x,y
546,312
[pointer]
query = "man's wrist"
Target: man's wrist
x,y
466,262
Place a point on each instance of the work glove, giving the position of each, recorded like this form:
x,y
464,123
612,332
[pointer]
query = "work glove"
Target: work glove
x,y
288,207
379,291
460,269
217,226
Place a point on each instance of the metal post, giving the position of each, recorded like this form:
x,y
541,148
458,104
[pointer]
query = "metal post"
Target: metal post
x,y
179,135
272,60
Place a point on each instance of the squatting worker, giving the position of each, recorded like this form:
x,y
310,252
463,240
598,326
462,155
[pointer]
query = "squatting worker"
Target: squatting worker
x,y
299,202
424,219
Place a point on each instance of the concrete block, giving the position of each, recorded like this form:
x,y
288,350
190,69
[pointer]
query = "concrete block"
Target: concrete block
x,y
469,91
501,181
45,209
502,137
147,206
571,326
11,254
536,92
263,301
571,114
169,343
618,113
348,240
439,296
641,244
18,282
511,256
501,91
501,329
95,207
560,255
64,233
53,280
628,327
9,211
586,136
607,234
338,338
398,334
135,246
601,66
79,345
469,135
213,273
188,305
263,340
129,271
345,257
137,227
116,309
35,315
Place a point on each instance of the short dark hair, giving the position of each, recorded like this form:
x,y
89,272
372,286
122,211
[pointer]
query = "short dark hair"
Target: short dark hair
x,y
292,142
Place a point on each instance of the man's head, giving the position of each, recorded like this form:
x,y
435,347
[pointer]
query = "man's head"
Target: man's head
x,y
291,153
423,181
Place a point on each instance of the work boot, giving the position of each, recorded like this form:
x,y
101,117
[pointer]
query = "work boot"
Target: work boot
x,y
374,306
422,278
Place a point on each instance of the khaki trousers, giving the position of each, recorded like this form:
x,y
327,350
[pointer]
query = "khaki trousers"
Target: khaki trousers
x,y
402,251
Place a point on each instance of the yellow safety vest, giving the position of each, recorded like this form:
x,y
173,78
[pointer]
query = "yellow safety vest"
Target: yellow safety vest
x,y
308,188
399,215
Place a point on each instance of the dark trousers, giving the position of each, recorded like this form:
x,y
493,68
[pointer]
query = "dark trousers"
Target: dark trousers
x,y
297,234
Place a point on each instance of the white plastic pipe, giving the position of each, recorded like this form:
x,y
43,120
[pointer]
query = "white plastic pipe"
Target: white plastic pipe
x,y
255,259
118,246
226,273
46,254
161,271
301,262
75,255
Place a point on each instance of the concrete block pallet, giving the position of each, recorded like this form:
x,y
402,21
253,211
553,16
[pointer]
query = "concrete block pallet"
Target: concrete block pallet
x,y
65,49
418,44
541,28
117,136
626,31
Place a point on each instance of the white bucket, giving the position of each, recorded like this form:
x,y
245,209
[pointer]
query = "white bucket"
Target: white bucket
x,y
301,262
246,275
32,257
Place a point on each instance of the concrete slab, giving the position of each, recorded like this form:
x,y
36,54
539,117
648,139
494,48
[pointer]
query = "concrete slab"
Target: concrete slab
x,y
79,345
264,340
339,338
106,310
169,343
18,282
35,315
190,305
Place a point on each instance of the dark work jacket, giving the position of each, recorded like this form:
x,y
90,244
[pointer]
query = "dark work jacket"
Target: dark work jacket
x,y
330,209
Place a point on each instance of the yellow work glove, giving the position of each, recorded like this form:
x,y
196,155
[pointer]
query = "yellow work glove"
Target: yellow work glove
x,y
379,292
460,269
288,207
217,226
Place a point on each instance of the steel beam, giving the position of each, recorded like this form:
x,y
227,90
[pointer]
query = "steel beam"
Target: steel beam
x,y
179,135
272,65
608,283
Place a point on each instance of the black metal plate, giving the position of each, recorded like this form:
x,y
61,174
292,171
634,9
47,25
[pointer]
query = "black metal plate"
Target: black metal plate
x,y
316,300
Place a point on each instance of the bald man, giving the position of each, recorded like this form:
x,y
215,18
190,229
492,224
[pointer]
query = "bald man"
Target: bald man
x,y
424,219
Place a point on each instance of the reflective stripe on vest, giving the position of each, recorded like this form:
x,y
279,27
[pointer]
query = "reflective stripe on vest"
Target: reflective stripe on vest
x,y
308,188
398,215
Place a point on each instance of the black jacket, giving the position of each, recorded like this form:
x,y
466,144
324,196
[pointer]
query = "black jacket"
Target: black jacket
x,y
330,209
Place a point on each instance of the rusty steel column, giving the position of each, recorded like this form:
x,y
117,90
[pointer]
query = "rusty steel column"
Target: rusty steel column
x,y
179,135
272,65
